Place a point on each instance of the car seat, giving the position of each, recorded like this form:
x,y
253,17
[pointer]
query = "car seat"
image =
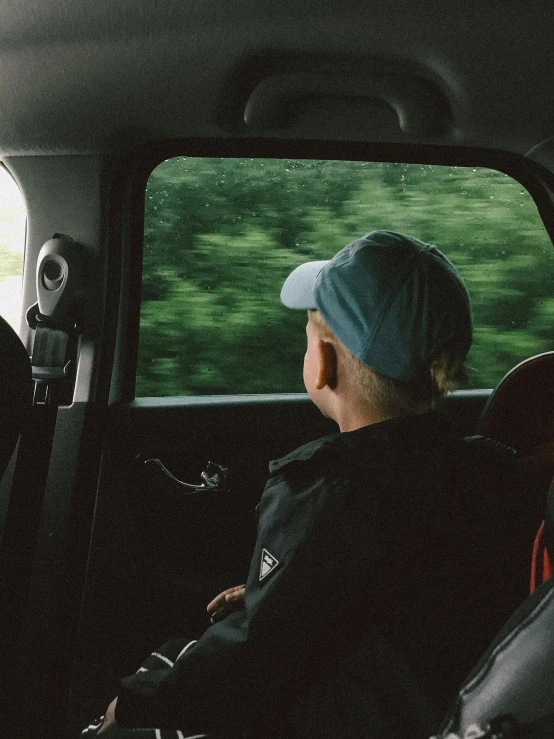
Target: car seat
x,y
15,390
15,401
520,414
508,693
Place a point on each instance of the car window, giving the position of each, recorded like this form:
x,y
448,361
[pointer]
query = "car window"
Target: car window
x,y
13,216
221,235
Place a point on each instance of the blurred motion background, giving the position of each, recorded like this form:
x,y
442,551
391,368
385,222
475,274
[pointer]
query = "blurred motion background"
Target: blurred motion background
x,y
221,235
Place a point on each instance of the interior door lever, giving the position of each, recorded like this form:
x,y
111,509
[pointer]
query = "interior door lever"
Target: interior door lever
x,y
214,477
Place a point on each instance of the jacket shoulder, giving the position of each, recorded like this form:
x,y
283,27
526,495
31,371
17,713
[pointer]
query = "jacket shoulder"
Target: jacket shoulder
x,y
307,453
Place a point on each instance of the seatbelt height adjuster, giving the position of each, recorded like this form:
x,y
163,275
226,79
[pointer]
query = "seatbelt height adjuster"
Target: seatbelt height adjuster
x,y
60,290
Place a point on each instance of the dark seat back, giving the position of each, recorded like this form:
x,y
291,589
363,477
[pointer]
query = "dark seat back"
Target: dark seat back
x,y
514,678
520,414
15,390
515,675
15,398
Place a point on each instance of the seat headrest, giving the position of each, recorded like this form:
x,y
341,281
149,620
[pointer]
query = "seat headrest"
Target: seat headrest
x,y
520,412
15,390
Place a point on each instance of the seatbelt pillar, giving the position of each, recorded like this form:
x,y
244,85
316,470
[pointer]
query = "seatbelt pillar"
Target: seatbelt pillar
x,y
56,321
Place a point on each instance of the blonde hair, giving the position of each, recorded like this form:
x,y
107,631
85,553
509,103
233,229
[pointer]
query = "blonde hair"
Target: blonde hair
x,y
392,396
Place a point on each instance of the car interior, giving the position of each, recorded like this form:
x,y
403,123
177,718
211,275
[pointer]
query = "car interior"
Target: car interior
x,y
173,162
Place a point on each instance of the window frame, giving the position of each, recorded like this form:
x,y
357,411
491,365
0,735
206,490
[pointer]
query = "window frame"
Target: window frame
x,y
128,204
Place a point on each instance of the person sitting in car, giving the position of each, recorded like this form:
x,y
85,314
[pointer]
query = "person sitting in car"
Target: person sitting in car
x,y
357,618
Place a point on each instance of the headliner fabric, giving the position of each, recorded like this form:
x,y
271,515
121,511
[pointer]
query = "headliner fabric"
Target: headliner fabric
x,y
76,76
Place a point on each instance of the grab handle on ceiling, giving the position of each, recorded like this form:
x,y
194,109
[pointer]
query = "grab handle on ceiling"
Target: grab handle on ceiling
x,y
421,107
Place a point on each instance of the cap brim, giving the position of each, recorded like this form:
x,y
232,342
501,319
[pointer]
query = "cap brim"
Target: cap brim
x,y
298,289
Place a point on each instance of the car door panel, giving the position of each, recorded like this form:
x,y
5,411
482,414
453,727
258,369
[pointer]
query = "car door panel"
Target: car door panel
x,y
158,557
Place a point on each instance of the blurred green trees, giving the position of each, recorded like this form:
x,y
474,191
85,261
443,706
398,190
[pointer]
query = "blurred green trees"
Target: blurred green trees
x,y
221,235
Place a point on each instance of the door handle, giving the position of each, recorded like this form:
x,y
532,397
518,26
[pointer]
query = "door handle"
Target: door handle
x,y
213,478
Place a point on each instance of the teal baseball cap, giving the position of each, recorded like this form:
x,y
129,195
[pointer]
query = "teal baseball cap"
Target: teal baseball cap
x,y
392,300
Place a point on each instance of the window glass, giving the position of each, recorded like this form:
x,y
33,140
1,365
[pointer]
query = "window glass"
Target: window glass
x,y
12,244
221,235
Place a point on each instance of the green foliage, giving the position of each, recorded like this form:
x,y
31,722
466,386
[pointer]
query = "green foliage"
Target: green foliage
x,y
221,235
11,262
11,234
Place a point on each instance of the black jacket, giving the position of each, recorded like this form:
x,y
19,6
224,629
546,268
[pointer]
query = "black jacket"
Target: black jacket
x,y
386,559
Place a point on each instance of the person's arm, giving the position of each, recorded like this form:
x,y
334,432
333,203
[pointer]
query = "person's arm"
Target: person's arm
x,y
307,565
225,603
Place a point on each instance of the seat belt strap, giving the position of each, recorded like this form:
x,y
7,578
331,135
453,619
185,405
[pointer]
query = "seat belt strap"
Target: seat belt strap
x,y
53,363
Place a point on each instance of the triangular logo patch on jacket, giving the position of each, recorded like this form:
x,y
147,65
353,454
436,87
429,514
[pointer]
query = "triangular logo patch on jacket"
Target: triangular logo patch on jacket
x,y
267,565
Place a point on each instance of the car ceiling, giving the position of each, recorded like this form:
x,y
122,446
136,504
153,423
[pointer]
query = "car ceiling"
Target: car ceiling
x,y
89,76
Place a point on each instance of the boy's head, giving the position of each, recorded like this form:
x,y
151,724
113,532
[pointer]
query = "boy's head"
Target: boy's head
x,y
400,312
